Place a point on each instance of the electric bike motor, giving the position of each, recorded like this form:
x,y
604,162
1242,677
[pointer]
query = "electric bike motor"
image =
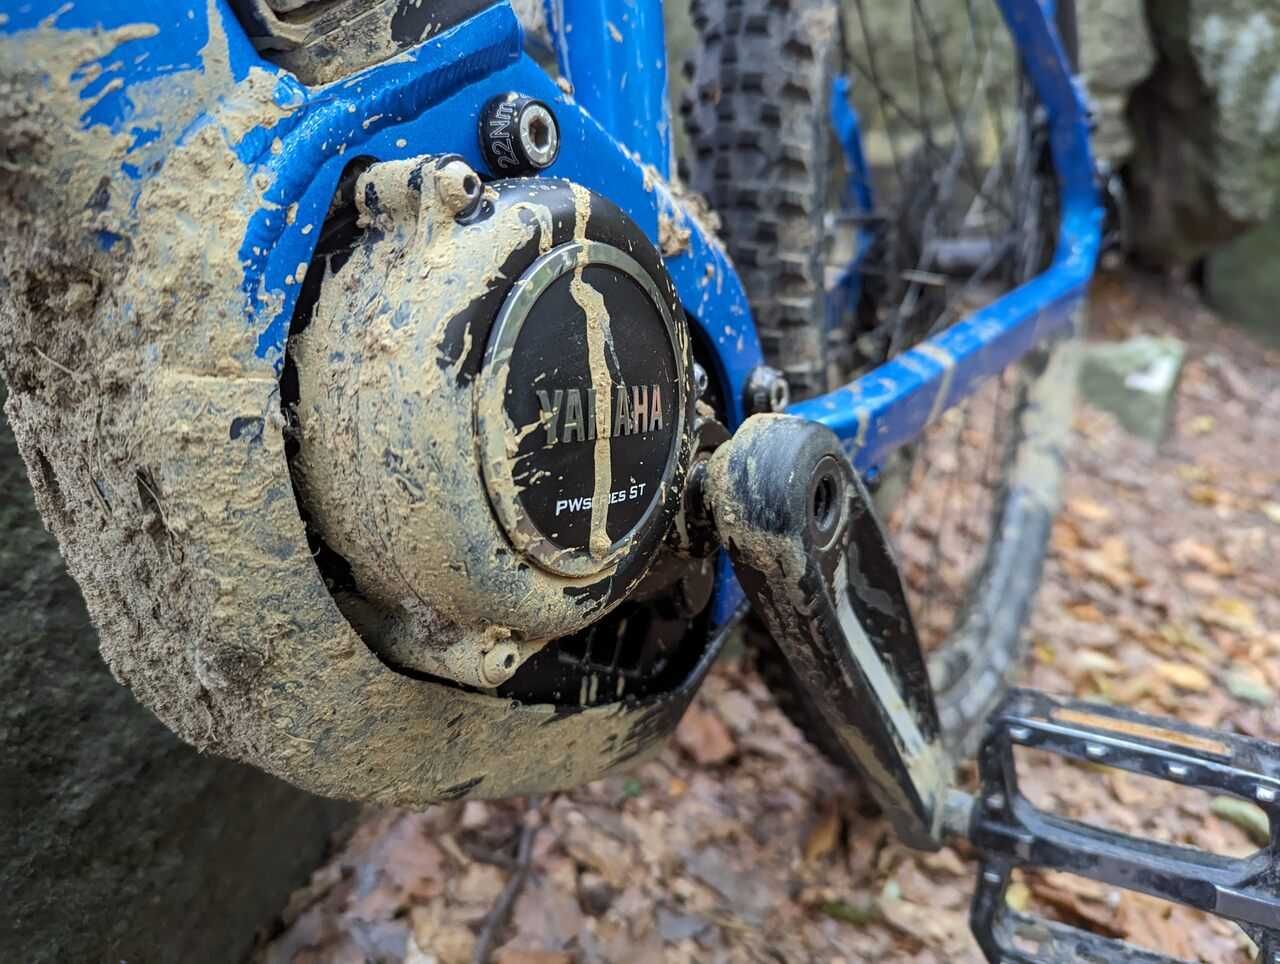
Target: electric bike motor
x,y
493,416
424,533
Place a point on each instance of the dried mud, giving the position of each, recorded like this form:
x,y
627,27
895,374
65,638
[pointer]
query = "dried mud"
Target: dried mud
x,y
153,435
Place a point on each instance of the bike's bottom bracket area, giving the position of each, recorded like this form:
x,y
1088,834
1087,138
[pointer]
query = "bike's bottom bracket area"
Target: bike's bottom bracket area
x,y
1010,831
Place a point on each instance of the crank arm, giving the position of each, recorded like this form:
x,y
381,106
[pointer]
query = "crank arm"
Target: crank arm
x,y
817,568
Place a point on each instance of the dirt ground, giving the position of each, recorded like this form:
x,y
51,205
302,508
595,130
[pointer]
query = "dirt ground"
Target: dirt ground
x,y
740,843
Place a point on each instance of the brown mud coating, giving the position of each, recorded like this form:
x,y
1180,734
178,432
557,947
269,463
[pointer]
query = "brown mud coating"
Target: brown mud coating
x,y
153,436
389,467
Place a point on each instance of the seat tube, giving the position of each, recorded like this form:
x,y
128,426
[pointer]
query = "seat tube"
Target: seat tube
x,y
614,54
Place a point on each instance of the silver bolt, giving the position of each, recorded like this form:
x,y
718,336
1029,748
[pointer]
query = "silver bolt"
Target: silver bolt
x,y
1177,770
700,379
1265,795
458,187
767,390
539,135
1020,733
995,802
1095,751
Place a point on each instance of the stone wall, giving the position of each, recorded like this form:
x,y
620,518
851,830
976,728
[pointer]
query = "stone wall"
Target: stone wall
x,y
119,842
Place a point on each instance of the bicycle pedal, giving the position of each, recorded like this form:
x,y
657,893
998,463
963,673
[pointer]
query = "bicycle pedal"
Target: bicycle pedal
x,y
1010,831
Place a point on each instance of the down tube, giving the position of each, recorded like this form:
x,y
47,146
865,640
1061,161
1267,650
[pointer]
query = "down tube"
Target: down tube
x,y
891,405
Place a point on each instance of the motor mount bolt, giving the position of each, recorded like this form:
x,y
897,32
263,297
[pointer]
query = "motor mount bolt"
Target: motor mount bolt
x,y
518,135
458,187
700,380
500,663
767,390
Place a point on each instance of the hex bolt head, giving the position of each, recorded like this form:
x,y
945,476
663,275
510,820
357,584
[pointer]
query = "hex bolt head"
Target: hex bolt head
x,y
767,390
700,380
518,135
458,187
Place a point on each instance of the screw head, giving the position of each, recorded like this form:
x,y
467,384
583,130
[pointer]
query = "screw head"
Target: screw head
x,y
539,135
500,663
518,135
458,187
767,390
700,379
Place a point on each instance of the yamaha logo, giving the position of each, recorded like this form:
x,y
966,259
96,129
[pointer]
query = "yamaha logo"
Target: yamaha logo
x,y
569,415
583,405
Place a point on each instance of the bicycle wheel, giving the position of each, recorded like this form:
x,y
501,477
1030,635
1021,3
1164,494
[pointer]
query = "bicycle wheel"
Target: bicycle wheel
x,y
963,207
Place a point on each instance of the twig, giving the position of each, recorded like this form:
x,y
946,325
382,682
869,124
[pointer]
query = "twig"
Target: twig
x,y
501,912
58,365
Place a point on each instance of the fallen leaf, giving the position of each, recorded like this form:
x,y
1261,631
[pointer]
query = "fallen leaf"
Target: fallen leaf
x,y
1193,473
825,834
1249,817
1184,676
854,914
1088,509
1110,563
1124,788
1086,613
1202,425
1191,552
1018,896
1231,613
517,955
1204,494
1244,685
1200,583
1091,661
704,736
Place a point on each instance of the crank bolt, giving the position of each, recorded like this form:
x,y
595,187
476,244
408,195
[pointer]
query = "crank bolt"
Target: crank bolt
x,y
826,501
767,390
458,188
518,135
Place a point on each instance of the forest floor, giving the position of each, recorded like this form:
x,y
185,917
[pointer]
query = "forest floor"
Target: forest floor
x,y
740,843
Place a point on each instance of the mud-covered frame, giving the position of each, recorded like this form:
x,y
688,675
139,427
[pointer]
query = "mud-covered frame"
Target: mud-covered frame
x,y
615,139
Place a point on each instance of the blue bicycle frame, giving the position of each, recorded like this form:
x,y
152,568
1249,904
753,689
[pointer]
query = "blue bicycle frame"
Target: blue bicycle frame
x,y
615,140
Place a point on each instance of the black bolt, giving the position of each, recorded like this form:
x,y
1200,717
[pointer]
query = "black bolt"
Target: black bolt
x,y
518,135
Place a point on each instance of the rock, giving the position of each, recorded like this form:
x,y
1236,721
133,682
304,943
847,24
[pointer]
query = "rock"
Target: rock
x,y
1116,53
674,927
741,894
1240,280
121,842
1206,125
1136,381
